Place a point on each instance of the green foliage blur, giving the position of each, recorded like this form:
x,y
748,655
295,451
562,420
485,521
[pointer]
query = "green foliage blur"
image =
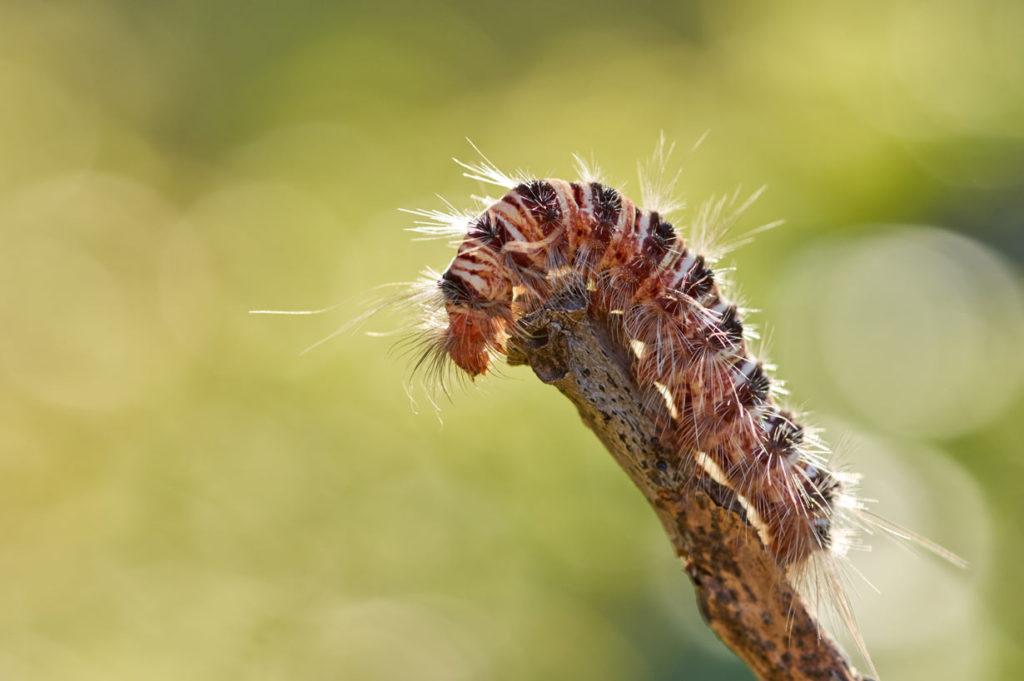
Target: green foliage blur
x,y
185,495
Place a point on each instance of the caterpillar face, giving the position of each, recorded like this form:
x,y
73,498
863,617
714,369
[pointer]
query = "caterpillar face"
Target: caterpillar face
x,y
476,299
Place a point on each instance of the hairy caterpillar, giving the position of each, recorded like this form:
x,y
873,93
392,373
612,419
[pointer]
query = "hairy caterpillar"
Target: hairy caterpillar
x,y
688,343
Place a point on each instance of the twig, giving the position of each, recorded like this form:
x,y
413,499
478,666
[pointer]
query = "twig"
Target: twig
x,y
742,592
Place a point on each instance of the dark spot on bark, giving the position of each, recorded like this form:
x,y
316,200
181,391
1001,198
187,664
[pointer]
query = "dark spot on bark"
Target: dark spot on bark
x,y
751,596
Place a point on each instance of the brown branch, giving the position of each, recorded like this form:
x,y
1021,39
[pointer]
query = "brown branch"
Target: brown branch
x,y
742,592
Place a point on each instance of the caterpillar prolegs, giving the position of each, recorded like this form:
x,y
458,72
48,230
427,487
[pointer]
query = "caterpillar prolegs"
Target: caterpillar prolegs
x,y
689,347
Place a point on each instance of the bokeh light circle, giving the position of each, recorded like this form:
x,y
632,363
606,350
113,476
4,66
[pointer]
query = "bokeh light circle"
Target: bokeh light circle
x,y
918,328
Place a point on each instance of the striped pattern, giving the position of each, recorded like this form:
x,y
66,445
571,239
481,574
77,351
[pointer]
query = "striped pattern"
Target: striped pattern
x,y
547,234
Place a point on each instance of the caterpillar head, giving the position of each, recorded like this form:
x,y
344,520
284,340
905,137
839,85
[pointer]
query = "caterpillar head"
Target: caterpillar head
x,y
477,324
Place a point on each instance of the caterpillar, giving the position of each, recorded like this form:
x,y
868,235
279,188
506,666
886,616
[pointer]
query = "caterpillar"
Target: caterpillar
x,y
689,344
545,235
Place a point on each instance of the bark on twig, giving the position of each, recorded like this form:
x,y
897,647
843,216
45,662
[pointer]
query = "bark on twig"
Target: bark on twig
x,y
742,592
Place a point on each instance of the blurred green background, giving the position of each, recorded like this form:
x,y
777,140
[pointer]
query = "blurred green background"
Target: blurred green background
x,y
184,495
